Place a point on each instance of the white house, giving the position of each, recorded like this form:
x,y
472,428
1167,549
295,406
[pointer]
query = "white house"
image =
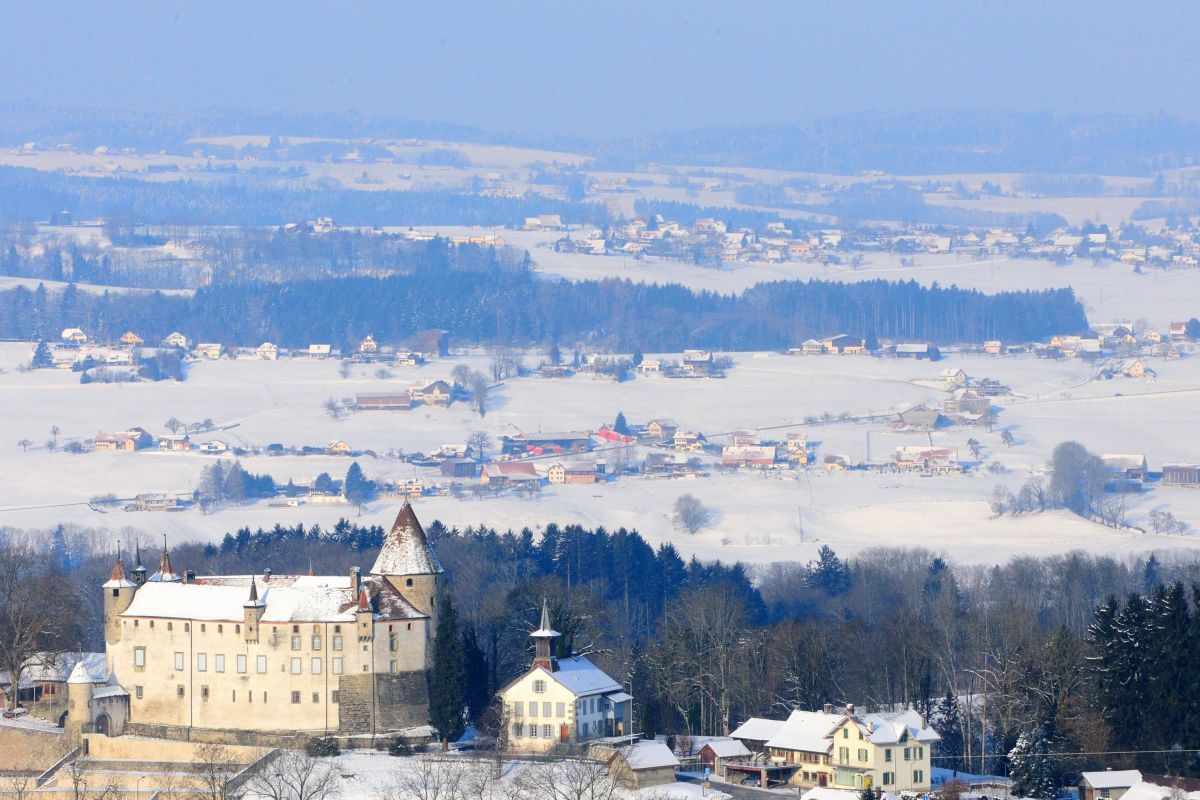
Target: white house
x,y
562,700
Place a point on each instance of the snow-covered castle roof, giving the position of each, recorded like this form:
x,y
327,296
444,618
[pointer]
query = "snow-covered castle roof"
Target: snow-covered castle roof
x,y
405,550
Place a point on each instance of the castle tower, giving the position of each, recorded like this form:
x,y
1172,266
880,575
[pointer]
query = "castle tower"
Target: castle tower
x,y
79,703
364,616
252,612
118,594
139,570
543,639
408,563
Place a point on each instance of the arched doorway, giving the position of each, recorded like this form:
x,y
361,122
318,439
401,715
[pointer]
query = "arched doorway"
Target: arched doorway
x,y
102,724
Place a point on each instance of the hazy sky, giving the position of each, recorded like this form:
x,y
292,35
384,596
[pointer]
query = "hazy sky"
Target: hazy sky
x,y
605,67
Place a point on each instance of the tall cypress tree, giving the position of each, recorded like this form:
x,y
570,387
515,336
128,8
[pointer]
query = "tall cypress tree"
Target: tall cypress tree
x,y
475,670
446,699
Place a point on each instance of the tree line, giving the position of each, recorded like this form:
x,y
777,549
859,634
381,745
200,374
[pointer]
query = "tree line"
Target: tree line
x,y
512,306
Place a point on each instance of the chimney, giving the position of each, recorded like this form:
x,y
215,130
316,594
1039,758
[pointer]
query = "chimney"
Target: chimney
x,y
267,575
849,709
828,708
189,576
355,581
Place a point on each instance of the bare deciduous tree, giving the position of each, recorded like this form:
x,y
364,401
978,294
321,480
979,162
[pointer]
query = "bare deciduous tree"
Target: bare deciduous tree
x,y
31,626
294,775
691,515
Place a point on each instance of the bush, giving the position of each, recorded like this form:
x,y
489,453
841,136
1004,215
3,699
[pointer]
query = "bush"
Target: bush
x,y
322,747
400,747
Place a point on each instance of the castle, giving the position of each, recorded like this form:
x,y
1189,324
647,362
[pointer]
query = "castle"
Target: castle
x,y
242,658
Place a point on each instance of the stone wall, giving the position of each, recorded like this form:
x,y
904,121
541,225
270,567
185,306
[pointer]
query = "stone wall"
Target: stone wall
x,y
30,750
386,702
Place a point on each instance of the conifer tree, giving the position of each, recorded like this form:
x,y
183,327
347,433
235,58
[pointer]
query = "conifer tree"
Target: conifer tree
x,y
475,669
620,425
446,700
42,357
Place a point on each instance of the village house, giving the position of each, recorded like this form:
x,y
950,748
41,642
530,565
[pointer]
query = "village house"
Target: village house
x,y
211,350
836,463
919,417
1133,368
174,441
809,347
1177,331
989,387
965,403
796,448
131,339
660,430
1181,475
562,700
129,440
697,362
368,345
716,751
953,376
690,441
272,655
320,350
267,351
437,393
409,359
559,473
551,443
431,343
156,502
917,350
839,749
993,347
213,447
459,468
338,447
73,336
650,366
400,401
1124,472
177,340
843,344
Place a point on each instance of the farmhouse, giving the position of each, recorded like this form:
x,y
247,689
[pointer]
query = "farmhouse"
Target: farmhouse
x,y
319,351
459,468
437,393
546,443
1124,472
562,700
650,366
1181,475
131,339
571,473
690,441
267,351
642,765
719,749
935,460
211,350
130,440
965,401
177,340
836,463
697,362
660,430
748,455
213,447
173,441
917,350
73,336
338,447
919,417
843,344
508,472
156,502
401,401
368,345
953,375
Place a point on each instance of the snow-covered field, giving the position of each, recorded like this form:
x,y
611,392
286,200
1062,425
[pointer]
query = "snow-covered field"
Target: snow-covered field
x,y
759,518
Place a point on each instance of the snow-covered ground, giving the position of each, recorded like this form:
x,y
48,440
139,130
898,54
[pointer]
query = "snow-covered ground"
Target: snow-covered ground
x,y
759,518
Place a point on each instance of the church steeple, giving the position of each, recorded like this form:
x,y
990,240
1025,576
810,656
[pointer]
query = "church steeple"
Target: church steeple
x,y
543,638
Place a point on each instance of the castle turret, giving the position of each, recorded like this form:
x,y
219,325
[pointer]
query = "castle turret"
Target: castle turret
x,y
118,594
165,573
79,703
409,564
139,570
252,612
364,616
543,639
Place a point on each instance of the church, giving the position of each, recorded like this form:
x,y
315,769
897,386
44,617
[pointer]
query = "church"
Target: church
x,y
246,658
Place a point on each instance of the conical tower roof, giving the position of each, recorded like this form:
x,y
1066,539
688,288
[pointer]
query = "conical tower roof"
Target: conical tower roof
x,y
544,630
406,550
165,573
254,602
117,579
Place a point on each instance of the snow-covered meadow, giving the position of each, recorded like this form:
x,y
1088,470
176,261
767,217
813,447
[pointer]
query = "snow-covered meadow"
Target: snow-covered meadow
x,y
758,518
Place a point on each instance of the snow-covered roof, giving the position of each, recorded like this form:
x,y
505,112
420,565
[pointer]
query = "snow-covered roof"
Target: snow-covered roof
x,y
582,677
406,551
288,598
109,691
51,668
889,727
1112,779
757,729
807,731
727,748
648,755
829,793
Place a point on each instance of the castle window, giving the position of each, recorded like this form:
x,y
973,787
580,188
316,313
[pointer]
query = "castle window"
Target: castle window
x,y
179,661
261,664
295,642
170,625
335,697
393,643
220,629
187,626
410,626
135,623
204,693
219,663
179,690
337,666
316,666
139,657
233,696
337,628
152,623
116,592
295,697
137,692
316,642
408,582
201,662
337,641
316,697
546,732
295,629
295,666
237,628
241,664
203,628
392,666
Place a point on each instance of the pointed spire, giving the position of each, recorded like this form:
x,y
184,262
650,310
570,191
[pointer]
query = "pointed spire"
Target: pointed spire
x,y
253,602
165,573
544,631
545,615
310,566
364,603
118,570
